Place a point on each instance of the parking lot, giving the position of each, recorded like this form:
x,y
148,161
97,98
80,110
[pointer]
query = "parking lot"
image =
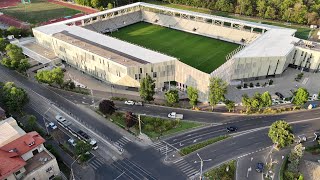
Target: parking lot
x,y
286,84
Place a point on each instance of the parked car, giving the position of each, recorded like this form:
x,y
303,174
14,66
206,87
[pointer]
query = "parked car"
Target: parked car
x,y
279,95
72,142
259,167
138,103
52,125
232,129
131,103
60,118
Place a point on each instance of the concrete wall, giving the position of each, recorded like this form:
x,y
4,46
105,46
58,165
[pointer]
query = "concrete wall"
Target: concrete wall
x,y
29,154
246,68
189,76
307,58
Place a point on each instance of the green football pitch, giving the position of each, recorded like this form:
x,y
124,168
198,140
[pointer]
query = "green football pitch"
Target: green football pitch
x,y
203,53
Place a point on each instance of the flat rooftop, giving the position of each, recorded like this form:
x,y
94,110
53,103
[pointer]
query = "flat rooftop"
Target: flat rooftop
x,y
273,43
37,161
118,51
309,45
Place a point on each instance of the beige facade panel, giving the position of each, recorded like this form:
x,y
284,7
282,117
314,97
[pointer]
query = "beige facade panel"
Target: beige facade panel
x,y
190,76
307,58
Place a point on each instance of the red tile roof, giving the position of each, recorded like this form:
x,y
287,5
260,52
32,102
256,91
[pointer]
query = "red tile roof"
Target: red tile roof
x,y
23,144
9,164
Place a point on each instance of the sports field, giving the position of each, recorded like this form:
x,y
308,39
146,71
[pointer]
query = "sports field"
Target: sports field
x,y
38,11
203,53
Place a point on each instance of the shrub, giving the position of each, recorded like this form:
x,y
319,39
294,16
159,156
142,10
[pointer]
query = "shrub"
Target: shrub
x,y
245,85
270,82
258,84
251,85
239,87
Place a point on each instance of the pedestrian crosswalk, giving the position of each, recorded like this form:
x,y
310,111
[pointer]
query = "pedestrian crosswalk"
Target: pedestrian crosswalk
x,y
163,147
186,168
123,141
96,163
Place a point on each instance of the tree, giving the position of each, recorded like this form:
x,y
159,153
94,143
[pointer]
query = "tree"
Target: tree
x,y
246,102
193,96
58,136
131,119
230,105
217,90
57,76
146,90
172,96
14,98
3,44
110,6
13,31
266,99
107,107
301,96
270,13
51,76
24,65
31,124
281,134
81,149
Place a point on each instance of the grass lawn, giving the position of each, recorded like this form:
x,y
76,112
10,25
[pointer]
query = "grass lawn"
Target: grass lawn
x,y
38,11
221,173
302,31
203,53
118,119
189,149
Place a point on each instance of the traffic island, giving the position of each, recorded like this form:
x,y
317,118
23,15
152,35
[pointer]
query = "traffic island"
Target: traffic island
x,y
225,171
189,149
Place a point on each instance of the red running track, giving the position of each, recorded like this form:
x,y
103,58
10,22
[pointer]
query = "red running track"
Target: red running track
x,y
8,3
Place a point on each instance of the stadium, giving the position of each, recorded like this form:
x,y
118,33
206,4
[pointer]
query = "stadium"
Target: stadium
x,y
123,45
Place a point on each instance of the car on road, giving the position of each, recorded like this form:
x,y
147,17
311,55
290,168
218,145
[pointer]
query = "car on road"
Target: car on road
x,y
259,167
131,103
232,129
280,95
72,142
139,103
174,115
62,121
60,118
52,125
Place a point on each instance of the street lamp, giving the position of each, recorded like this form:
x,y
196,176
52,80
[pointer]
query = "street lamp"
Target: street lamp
x,y
72,175
201,164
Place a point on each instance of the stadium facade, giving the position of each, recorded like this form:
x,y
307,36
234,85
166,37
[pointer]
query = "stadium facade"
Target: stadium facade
x,y
264,50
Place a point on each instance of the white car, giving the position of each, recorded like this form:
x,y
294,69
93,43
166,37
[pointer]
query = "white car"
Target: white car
x,y
52,125
60,118
72,142
131,103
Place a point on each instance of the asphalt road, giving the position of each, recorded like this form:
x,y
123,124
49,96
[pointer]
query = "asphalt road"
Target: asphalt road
x,y
146,160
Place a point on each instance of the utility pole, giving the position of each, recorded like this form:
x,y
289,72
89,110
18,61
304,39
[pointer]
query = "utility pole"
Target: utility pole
x,y
201,164
139,119
94,104
72,175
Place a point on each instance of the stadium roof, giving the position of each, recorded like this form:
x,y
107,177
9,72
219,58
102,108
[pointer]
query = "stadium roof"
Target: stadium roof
x,y
132,54
274,43
203,15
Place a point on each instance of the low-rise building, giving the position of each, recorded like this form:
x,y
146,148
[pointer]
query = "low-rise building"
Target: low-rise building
x,y
25,156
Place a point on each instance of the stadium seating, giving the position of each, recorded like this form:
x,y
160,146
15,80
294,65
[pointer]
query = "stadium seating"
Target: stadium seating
x,y
211,30
115,22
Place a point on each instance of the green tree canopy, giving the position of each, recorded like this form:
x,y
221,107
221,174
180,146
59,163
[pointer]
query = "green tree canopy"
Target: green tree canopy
x,y
230,105
110,5
172,96
301,96
193,96
217,91
281,134
266,99
50,76
3,44
146,90
14,98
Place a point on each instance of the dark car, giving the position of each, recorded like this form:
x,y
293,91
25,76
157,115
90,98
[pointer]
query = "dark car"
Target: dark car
x,y
259,167
279,95
232,129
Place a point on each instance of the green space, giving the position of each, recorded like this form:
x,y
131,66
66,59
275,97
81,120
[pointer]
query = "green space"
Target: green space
x,y
226,171
302,31
151,126
189,149
203,53
38,11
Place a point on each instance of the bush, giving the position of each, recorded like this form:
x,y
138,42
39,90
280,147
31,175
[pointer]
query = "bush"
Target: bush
x,y
251,85
258,84
270,82
239,87
245,85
